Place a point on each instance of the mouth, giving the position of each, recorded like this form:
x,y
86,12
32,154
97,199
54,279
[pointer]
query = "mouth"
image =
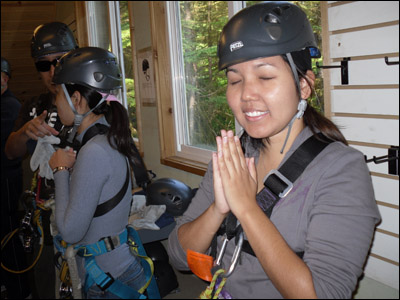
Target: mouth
x,y
254,114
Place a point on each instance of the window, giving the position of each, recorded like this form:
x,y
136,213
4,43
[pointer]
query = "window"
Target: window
x,y
191,90
198,86
109,27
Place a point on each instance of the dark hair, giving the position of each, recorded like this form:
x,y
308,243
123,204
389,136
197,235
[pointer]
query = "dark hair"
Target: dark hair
x,y
119,135
312,118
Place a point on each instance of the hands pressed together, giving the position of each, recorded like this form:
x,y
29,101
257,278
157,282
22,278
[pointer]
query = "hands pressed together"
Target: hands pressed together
x,y
235,176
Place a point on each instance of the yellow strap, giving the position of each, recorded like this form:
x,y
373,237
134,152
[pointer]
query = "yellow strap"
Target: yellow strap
x,y
134,250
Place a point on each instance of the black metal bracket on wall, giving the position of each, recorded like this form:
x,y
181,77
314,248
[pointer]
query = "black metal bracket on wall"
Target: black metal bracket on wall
x,y
390,63
344,66
392,159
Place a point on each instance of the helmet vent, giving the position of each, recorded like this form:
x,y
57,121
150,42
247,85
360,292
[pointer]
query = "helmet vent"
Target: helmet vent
x,y
176,200
280,10
98,76
271,18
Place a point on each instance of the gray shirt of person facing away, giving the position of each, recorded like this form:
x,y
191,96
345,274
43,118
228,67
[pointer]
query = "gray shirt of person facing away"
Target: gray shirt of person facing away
x,y
98,174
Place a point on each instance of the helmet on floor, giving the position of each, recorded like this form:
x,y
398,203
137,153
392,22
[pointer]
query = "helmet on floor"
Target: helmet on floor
x,y
174,194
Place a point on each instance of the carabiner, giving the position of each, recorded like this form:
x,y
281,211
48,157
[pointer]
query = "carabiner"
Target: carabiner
x,y
235,256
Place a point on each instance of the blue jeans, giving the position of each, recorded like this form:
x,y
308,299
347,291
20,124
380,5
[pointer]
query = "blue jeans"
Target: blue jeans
x,y
133,276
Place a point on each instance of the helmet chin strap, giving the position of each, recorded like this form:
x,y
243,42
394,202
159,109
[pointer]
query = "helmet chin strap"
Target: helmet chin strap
x,y
78,117
302,104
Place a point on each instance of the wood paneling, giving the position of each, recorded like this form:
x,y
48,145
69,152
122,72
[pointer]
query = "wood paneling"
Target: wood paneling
x,y
367,109
18,21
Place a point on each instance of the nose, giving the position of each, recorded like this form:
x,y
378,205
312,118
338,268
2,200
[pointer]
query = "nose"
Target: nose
x,y
249,91
52,68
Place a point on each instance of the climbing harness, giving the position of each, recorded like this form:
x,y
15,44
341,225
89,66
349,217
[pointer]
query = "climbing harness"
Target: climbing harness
x,y
277,185
105,281
94,274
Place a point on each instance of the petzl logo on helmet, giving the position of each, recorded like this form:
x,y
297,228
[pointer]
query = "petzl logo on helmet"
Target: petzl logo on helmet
x,y
236,46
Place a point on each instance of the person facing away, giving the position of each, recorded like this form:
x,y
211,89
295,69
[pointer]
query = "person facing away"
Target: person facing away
x,y
316,241
86,79
13,255
38,117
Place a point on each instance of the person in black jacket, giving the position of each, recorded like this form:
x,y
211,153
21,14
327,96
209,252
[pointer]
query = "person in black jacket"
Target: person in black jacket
x,y
12,256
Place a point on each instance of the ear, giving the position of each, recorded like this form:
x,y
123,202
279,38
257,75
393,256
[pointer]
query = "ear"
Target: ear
x,y
307,84
79,102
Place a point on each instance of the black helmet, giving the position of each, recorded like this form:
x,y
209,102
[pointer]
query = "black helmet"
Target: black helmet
x,y
92,67
174,194
265,29
52,38
5,66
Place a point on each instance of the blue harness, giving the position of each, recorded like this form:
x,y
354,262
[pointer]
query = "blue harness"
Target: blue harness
x,y
95,275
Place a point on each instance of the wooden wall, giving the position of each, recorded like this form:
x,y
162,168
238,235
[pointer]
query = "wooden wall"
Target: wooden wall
x,y
367,108
18,21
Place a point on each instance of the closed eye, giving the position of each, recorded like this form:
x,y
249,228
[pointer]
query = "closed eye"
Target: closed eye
x,y
234,82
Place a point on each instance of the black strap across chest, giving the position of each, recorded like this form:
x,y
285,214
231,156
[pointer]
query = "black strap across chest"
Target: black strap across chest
x,y
278,183
140,171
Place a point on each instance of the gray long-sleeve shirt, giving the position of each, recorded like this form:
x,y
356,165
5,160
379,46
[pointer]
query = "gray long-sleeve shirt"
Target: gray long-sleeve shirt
x,y
330,214
98,174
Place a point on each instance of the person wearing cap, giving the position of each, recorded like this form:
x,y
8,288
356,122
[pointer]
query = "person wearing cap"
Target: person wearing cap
x,y
13,255
90,177
38,117
315,240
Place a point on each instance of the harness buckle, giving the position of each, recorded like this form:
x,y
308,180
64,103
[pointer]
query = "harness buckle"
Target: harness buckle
x,y
282,180
111,242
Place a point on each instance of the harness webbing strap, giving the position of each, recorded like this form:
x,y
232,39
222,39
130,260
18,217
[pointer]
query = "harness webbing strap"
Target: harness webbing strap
x,y
139,169
105,207
105,281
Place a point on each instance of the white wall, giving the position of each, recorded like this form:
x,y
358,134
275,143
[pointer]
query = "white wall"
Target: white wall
x,y
367,111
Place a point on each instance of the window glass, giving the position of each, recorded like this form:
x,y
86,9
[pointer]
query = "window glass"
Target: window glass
x,y
128,65
207,111
99,36
99,25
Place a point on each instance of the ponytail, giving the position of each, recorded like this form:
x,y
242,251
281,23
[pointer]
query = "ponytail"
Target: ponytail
x,y
119,135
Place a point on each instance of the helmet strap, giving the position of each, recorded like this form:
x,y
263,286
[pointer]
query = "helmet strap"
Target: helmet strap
x,y
300,112
78,117
302,104
294,71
